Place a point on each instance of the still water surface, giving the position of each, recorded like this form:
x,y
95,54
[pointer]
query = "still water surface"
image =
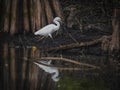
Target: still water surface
x,y
19,72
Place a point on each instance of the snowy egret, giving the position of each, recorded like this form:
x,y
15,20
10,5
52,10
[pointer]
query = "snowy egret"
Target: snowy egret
x,y
49,29
52,70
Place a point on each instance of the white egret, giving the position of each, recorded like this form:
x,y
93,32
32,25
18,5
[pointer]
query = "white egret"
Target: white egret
x,y
49,29
52,70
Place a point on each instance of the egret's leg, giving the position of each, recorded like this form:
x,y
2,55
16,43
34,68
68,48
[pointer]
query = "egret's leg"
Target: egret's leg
x,y
39,39
57,32
47,37
50,36
44,40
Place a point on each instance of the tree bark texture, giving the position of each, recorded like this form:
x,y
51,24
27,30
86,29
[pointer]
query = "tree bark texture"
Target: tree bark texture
x,y
115,42
7,16
29,15
13,16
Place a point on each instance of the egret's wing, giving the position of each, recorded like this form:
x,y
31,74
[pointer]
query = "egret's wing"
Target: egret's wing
x,y
45,30
45,68
50,70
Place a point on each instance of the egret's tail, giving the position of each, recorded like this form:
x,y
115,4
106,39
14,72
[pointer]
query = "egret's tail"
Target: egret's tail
x,y
36,33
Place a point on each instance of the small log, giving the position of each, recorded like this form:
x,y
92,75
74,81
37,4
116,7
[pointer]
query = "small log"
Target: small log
x,y
68,60
76,45
75,69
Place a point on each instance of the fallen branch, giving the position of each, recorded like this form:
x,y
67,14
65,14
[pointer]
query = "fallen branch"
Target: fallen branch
x,y
75,69
68,60
69,68
76,45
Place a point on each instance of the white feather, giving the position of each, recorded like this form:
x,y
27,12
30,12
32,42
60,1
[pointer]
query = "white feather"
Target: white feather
x,y
52,70
49,29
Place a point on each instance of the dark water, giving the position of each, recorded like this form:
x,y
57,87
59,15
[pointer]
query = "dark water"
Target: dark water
x,y
18,72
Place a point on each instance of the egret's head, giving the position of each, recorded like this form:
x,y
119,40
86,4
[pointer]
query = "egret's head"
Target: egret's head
x,y
57,19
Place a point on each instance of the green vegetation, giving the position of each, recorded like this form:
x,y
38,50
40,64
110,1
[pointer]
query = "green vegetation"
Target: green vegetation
x,y
83,83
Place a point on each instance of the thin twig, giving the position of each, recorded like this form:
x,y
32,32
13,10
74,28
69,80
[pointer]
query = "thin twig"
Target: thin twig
x,y
71,36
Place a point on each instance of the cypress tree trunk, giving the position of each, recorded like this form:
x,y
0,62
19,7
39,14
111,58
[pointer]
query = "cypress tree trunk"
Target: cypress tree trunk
x,y
7,16
31,15
37,13
56,7
25,16
13,17
48,11
115,42
12,69
44,22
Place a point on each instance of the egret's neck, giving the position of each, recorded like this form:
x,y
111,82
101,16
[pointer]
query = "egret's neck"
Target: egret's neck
x,y
57,24
55,76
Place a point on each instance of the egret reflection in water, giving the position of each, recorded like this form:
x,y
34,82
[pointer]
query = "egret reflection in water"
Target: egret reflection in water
x,y
18,72
52,70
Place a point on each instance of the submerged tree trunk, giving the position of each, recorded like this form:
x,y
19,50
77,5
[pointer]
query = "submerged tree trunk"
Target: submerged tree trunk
x,y
30,16
115,42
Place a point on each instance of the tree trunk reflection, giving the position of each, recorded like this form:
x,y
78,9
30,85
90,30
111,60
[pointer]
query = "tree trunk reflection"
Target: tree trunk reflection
x,y
19,71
